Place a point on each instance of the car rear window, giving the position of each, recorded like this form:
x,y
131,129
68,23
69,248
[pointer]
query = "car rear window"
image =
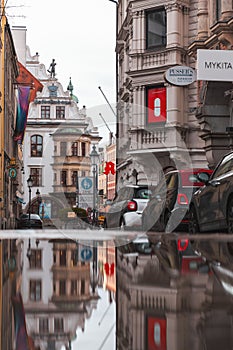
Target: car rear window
x,y
189,179
144,193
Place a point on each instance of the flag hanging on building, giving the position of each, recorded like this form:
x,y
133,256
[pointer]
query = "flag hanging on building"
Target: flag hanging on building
x,y
24,95
20,323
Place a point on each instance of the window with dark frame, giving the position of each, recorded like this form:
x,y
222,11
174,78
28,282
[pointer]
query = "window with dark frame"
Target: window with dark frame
x,y
58,325
36,174
156,28
83,149
60,112
74,177
218,9
36,146
36,259
74,148
82,286
62,254
45,112
43,325
35,290
63,177
62,287
74,289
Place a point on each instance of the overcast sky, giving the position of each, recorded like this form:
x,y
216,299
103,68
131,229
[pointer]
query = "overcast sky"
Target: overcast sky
x,y
80,36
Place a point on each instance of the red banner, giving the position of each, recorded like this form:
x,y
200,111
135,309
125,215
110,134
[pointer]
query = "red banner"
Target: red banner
x,y
156,333
157,105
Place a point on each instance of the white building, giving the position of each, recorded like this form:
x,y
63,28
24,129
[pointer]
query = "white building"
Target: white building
x,y
54,163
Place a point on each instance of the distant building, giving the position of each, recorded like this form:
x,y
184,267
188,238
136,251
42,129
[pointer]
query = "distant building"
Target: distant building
x,y
57,141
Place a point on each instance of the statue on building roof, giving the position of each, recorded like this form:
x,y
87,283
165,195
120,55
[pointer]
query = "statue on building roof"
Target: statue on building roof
x,y
51,69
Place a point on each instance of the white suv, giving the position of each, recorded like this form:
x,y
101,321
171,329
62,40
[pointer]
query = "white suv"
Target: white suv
x,y
126,209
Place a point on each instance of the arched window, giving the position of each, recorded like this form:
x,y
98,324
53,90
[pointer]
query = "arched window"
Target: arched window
x,y
36,146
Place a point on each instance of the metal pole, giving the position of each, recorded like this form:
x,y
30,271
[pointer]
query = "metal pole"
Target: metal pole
x,y
29,209
94,192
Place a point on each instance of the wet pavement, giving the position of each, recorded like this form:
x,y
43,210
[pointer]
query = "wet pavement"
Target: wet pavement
x,y
119,293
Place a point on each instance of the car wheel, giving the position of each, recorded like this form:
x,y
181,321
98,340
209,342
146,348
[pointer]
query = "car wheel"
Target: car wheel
x,y
230,216
193,222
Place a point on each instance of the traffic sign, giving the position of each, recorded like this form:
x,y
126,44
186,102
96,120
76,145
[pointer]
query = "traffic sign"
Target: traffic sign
x,y
86,254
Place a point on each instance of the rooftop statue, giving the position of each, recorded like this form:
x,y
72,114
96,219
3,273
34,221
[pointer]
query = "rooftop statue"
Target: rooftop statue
x,y
51,69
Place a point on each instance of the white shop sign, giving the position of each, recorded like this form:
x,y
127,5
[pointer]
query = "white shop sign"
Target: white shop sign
x,y
180,75
215,65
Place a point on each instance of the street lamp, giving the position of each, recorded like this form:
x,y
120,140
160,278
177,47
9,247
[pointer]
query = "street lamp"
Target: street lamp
x,y
94,155
30,183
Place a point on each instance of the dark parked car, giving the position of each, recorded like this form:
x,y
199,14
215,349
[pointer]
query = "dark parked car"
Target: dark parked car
x,y
34,222
211,208
168,207
126,208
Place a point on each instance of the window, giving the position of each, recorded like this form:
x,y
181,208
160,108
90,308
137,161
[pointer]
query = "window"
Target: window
x,y
58,325
35,259
62,287
156,29
74,257
218,10
35,290
82,286
74,178
36,146
62,254
74,290
45,112
36,174
83,149
60,112
63,149
74,148
43,325
63,177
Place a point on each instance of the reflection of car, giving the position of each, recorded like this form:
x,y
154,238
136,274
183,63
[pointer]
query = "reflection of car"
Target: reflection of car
x,y
126,208
34,222
168,207
211,208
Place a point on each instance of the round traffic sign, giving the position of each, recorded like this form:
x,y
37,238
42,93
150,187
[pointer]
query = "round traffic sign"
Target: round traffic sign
x,y
86,254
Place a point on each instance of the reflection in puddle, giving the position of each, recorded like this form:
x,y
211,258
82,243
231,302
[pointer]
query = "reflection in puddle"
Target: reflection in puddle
x,y
163,293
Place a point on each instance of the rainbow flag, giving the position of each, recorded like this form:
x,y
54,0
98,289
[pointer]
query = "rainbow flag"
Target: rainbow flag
x,y
24,95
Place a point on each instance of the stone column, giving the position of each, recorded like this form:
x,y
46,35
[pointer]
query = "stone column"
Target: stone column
x,y
202,16
174,25
227,10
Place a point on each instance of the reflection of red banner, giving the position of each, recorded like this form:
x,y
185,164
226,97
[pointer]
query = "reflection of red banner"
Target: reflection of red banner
x,y
20,323
156,104
156,333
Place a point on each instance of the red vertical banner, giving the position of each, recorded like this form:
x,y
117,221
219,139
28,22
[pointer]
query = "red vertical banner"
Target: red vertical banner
x,y
156,333
157,105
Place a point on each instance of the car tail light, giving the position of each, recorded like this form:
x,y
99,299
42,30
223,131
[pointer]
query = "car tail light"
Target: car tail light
x,y
182,244
132,206
182,199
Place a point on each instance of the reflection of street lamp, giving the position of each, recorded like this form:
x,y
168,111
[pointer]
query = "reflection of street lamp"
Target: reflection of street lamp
x,y
30,183
38,200
94,155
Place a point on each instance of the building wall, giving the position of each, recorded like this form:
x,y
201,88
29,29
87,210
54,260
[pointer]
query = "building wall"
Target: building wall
x,y
148,147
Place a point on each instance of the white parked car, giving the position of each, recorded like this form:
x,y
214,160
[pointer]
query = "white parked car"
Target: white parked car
x,y
126,209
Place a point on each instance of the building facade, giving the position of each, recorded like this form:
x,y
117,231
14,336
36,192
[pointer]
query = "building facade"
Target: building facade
x,y
162,126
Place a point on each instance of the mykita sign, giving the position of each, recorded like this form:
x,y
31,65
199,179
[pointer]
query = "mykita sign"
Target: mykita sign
x,y
215,65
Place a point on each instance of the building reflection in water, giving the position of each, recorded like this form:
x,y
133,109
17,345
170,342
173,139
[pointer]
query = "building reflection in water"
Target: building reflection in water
x,y
57,292
170,293
171,297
